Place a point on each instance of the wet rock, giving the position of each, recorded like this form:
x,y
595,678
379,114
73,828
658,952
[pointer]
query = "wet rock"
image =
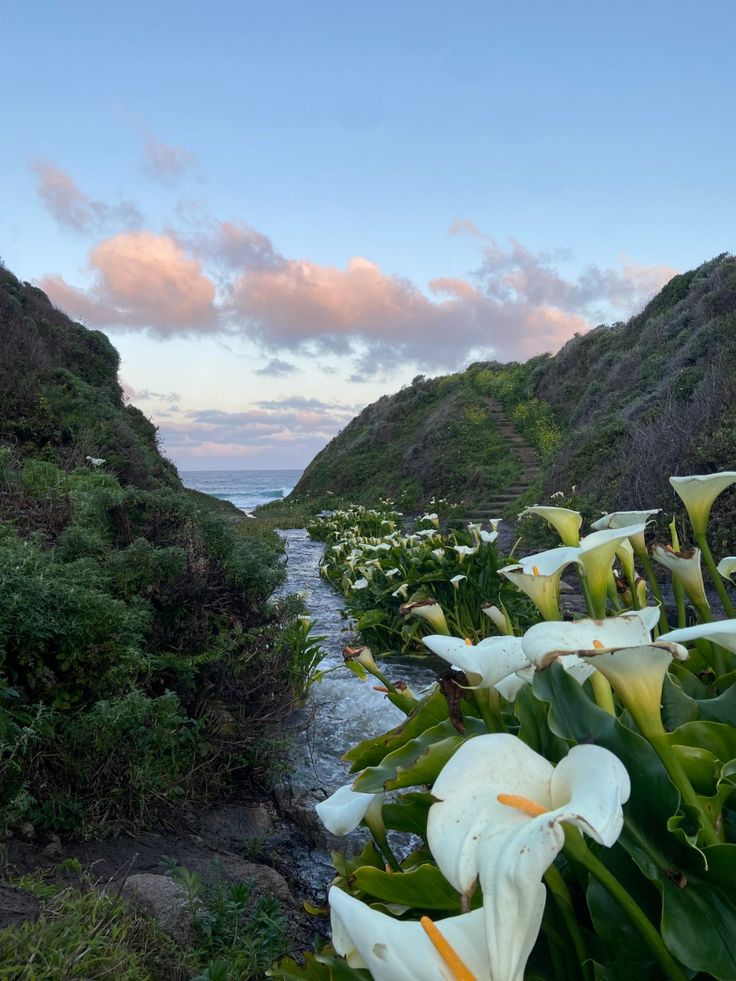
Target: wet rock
x,y
165,901
26,831
17,905
236,826
53,849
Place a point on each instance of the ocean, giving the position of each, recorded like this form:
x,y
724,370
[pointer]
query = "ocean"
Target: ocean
x,y
245,488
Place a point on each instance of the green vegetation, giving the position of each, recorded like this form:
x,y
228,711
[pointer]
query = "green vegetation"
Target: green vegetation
x,y
387,577
141,663
82,933
612,415
433,438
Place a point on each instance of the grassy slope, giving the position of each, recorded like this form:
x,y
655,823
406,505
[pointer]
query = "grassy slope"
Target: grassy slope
x,y
434,438
614,412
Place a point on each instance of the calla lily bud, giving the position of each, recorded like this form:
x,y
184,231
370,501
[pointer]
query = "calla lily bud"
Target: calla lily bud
x,y
429,610
625,555
498,618
564,521
699,492
685,567
363,656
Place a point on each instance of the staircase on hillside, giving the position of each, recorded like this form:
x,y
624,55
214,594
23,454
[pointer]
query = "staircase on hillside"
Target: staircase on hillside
x,y
496,503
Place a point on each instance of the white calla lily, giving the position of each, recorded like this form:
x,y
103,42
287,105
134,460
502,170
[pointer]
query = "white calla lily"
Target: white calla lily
x,y
698,493
464,550
485,663
499,820
620,648
456,580
625,519
402,591
625,555
343,811
390,573
539,577
429,610
499,619
439,553
686,568
488,537
596,555
727,566
721,632
565,521
360,584
402,950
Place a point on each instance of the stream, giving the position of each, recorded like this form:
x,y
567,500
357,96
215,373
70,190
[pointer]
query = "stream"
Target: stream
x,y
339,711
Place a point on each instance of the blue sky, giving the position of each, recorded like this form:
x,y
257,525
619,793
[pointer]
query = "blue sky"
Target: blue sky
x,y
279,212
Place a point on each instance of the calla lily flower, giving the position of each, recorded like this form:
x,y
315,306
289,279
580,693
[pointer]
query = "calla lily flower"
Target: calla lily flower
x,y
721,632
456,580
474,527
403,950
727,567
390,573
625,555
499,818
498,617
343,811
434,518
699,492
511,686
429,610
624,519
494,523
360,584
596,554
539,577
464,550
439,553
485,663
488,537
620,648
685,566
402,591
363,655
564,521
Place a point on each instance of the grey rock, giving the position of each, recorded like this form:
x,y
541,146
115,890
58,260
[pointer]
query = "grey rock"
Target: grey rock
x,y
236,826
164,900
265,880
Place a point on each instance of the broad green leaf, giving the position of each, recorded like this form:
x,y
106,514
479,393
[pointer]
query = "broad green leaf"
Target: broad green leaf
x,y
424,888
419,761
699,914
534,727
680,705
408,813
427,714
317,967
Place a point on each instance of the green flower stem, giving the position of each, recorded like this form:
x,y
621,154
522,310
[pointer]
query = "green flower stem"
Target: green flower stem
x,y
631,582
646,564
378,831
577,850
561,895
602,693
680,602
489,706
587,594
715,575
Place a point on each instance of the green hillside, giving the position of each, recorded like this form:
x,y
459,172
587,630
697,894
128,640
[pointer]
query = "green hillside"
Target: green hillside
x,y
614,413
141,663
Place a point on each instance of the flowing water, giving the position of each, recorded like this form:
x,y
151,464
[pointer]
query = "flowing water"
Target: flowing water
x,y
339,711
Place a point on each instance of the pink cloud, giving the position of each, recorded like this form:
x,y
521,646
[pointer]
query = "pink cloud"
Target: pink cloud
x,y
165,161
141,280
71,207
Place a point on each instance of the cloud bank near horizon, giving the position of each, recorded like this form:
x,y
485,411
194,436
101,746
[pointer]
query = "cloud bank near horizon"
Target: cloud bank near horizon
x,y
227,278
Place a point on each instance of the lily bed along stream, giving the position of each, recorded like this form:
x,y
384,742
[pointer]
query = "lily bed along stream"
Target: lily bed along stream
x,y
545,791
